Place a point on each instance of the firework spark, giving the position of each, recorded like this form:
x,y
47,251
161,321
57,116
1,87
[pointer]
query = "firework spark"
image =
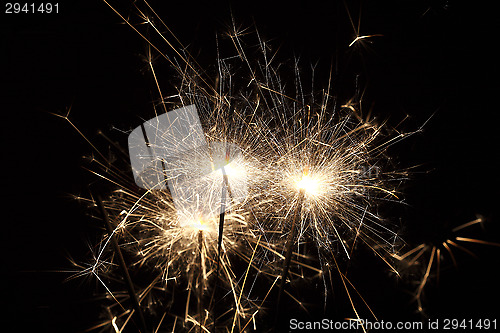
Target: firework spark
x,y
289,182
430,255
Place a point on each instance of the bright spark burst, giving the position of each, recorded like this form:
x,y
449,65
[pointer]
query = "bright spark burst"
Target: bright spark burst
x,y
309,183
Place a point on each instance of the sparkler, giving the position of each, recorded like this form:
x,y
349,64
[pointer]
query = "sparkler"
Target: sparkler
x,y
123,265
306,153
200,282
220,239
292,167
291,239
189,250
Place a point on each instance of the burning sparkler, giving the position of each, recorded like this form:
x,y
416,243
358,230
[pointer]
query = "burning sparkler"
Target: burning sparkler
x,y
305,171
246,173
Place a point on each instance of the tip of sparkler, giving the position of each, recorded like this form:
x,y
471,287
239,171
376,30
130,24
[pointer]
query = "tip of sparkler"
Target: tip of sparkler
x,y
307,183
197,224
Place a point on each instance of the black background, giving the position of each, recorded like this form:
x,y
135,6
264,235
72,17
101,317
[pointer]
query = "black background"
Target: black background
x,y
436,57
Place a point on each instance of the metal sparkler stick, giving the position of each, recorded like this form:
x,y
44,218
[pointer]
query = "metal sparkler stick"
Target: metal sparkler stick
x,y
221,234
200,281
289,247
222,215
123,266
223,208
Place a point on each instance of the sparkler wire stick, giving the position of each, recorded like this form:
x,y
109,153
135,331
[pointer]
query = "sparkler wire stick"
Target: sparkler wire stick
x,y
289,248
123,265
222,215
225,187
200,281
219,244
